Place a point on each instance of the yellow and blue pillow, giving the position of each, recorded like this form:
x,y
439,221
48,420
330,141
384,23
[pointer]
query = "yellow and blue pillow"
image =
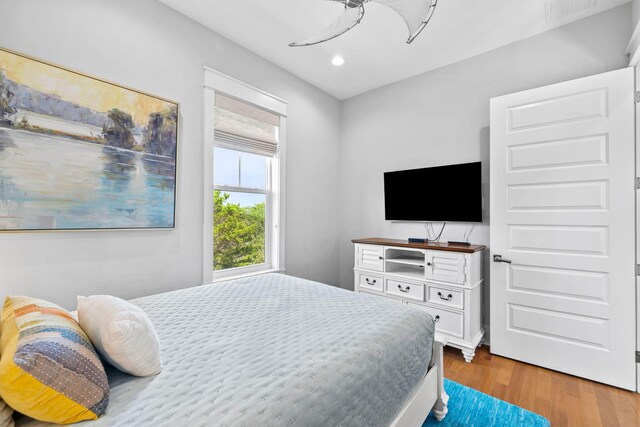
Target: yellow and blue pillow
x,y
49,369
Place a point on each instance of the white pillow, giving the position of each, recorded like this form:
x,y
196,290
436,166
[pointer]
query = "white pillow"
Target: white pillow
x,y
122,333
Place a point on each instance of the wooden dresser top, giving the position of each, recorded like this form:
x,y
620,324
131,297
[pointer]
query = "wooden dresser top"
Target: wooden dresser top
x,y
436,246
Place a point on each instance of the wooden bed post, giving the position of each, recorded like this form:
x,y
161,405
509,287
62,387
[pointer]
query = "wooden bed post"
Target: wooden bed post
x,y
440,408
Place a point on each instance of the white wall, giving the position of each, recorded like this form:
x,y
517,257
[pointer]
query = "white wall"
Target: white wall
x,y
147,46
436,118
442,117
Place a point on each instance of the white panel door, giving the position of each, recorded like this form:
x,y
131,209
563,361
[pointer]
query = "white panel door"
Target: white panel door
x,y
562,211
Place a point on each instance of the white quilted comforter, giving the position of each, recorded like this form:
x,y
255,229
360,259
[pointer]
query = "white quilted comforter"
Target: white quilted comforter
x,y
274,350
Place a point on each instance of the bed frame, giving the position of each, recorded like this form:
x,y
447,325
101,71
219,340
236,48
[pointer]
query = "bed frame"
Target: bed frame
x,y
429,393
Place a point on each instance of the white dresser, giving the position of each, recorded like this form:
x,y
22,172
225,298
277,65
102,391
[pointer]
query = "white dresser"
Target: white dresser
x,y
442,279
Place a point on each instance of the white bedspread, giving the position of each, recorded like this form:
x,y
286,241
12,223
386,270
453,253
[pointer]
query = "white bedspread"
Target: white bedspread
x,y
274,350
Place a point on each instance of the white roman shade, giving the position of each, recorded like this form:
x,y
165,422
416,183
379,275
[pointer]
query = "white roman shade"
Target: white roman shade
x,y
245,127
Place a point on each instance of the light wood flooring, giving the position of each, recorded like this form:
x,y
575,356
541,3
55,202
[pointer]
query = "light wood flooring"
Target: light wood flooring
x,y
563,399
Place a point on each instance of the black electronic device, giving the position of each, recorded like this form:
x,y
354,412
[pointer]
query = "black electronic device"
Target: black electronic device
x,y
441,193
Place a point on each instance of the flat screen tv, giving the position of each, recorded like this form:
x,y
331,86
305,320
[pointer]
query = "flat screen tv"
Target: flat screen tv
x,y
442,193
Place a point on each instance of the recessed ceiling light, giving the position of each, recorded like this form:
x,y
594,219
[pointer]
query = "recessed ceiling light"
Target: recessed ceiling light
x,y
337,60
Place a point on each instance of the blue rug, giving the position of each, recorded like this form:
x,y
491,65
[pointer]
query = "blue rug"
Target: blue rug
x,y
469,407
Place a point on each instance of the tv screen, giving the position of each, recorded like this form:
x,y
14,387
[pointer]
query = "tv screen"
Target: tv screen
x,y
442,193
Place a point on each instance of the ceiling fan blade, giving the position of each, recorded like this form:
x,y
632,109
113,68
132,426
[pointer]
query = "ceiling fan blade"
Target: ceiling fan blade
x,y
346,21
416,13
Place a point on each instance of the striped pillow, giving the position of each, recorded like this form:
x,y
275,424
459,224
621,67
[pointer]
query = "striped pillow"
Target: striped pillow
x,y
6,412
6,415
48,369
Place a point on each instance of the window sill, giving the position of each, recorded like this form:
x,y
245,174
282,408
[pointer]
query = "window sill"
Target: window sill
x,y
243,275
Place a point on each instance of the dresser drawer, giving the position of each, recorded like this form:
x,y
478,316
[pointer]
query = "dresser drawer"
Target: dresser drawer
x,y
445,297
385,296
448,322
409,290
371,282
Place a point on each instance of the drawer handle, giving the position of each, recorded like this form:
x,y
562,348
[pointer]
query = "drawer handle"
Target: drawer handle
x,y
437,318
370,283
404,290
442,297
429,264
380,258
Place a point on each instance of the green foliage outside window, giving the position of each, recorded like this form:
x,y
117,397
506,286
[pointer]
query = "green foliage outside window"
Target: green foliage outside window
x,y
238,233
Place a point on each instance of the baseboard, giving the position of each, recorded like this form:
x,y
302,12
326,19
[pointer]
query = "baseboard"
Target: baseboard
x,y
486,340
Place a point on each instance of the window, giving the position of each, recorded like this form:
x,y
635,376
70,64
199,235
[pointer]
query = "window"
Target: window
x,y
243,194
241,203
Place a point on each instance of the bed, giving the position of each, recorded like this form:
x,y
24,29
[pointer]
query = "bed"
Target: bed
x,y
274,350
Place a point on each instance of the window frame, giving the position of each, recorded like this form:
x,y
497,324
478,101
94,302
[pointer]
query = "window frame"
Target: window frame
x,y
215,81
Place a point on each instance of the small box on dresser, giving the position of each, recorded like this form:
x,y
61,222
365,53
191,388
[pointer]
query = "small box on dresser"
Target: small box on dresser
x,y
442,279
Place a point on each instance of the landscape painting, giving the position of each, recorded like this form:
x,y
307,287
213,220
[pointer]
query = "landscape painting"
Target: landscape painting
x,y
80,153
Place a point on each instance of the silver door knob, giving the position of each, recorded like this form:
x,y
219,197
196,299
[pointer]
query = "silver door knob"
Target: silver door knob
x,y
498,258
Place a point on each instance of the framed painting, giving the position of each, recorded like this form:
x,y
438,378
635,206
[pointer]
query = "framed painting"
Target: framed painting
x,y
81,153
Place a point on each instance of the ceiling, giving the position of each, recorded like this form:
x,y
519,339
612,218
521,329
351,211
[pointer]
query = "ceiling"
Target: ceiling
x,y
375,50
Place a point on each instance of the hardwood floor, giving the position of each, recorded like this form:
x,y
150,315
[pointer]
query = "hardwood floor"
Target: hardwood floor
x,y
563,399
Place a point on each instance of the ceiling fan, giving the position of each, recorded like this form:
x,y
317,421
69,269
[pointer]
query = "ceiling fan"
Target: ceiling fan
x,y
416,14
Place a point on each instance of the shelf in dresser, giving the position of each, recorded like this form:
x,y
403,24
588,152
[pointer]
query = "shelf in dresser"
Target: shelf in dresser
x,y
402,272
410,261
